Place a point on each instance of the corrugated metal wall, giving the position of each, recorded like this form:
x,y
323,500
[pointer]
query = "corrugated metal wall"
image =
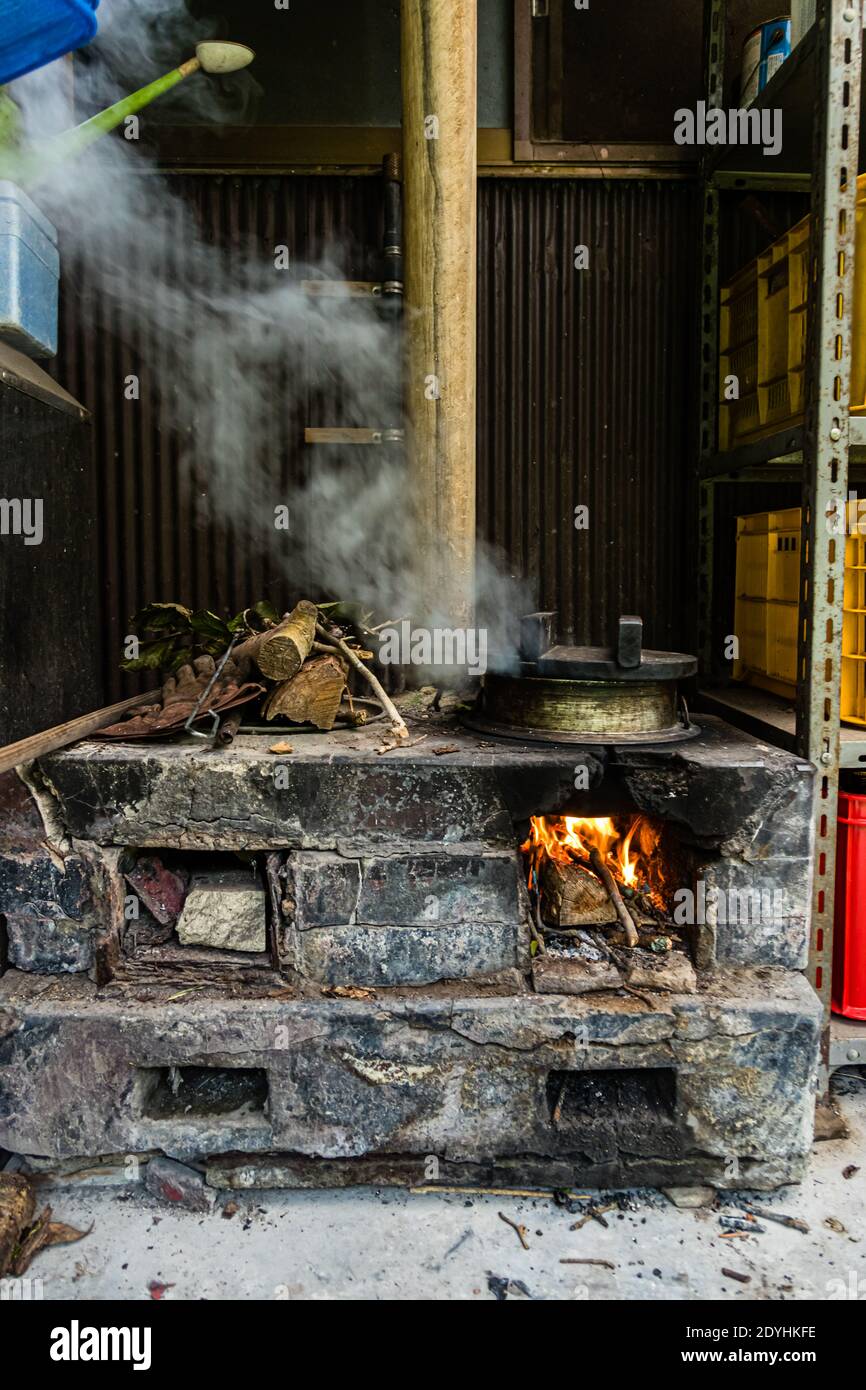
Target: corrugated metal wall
x,y
585,398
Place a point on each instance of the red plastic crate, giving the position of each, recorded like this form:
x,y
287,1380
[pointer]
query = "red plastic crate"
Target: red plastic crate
x,y
849,931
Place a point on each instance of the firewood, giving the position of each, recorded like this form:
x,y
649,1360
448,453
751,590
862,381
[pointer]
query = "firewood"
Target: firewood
x,y
284,649
395,719
622,912
573,897
312,696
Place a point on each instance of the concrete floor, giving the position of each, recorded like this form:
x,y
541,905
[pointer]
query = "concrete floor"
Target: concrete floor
x,y
388,1244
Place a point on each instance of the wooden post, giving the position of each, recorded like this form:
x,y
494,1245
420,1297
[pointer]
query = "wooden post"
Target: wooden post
x,y
439,76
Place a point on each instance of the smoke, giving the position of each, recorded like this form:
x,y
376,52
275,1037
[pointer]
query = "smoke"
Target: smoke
x,y
238,346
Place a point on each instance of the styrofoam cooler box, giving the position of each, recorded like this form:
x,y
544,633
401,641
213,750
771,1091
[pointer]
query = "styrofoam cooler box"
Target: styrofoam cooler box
x,y
29,274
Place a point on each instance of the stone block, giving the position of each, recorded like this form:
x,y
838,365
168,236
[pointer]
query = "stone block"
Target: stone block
x,y
758,910
49,944
363,955
162,890
447,888
326,889
672,972
178,1185
559,975
399,890
224,909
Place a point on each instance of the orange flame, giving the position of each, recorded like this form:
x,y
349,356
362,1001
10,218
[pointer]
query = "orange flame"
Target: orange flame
x,y
631,853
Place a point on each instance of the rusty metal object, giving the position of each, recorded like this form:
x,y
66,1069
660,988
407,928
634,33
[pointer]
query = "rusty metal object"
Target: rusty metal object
x,y
571,711
617,694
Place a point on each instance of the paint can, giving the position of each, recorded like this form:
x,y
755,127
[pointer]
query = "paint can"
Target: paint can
x,y
764,51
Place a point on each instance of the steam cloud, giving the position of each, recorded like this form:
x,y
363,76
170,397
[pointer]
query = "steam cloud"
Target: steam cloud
x,y
237,336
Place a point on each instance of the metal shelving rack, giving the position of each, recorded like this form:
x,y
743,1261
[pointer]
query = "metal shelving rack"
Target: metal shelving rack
x,y
818,90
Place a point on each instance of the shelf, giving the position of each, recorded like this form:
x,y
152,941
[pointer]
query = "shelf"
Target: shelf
x,y
793,90
773,719
779,455
847,1042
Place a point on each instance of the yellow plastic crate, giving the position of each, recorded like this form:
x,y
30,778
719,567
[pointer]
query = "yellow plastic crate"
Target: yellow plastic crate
x,y
739,419
767,599
766,612
854,626
762,335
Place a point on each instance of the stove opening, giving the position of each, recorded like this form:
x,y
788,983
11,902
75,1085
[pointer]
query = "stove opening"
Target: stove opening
x,y
203,1092
602,887
608,1114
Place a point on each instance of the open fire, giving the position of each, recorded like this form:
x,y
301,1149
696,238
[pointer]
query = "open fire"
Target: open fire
x,y
626,847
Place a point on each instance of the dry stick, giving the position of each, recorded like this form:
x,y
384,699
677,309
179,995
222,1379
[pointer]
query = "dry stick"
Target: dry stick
x,y
536,930
793,1222
603,872
397,725
27,750
605,1264
519,1230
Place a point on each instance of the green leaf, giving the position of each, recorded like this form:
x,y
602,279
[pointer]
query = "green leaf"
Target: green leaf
x,y
156,617
152,656
255,619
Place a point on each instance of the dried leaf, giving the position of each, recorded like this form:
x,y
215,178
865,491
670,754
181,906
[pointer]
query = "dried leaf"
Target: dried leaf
x,y
42,1234
347,992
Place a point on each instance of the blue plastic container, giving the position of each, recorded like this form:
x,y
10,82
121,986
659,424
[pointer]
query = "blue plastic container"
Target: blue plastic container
x,y
29,275
35,32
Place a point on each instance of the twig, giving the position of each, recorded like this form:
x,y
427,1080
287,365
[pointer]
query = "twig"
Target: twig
x,y
520,1230
735,1274
392,622
397,725
630,989
793,1222
605,1264
536,930
389,747
594,1214
622,912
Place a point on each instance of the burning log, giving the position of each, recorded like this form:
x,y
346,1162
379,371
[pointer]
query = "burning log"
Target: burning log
x,y
312,696
573,896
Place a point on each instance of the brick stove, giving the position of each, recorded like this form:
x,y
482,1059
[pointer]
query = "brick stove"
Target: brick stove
x,y
397,1026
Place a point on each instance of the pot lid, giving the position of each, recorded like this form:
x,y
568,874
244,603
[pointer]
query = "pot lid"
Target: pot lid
x,y
626,660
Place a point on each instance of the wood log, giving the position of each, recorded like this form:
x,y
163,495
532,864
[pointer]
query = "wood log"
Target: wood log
x,y
573,897
27,750
284,649
312,696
